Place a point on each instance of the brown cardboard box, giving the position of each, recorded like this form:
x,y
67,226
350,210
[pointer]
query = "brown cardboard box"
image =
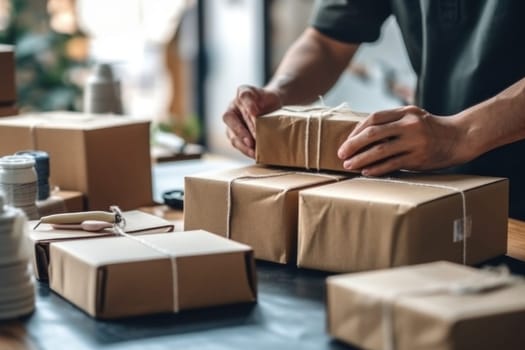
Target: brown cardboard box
x,y
105,157
112,277
7,75
8,110
363,224
263,210
290,136
61,202
137,222
364,307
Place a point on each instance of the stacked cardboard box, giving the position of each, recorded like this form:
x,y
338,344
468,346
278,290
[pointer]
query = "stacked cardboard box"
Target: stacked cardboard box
x,y
304,137
363,223
7,81
257,205
106,157
263,204
438,305
112,277
137,222
353,225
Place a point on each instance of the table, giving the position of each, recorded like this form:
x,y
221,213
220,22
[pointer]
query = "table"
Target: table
x,y
289,314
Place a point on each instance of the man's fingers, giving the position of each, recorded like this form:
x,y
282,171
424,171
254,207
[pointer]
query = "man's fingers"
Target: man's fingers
x,y
376,153
236,125
378,118
249,103
385,117
253,102
246,102
240,144
369,136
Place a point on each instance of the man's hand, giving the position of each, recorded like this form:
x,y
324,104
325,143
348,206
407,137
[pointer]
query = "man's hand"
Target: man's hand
x,y
249,103
405,138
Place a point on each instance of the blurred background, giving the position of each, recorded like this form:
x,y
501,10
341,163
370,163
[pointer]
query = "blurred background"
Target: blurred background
x,y
180,62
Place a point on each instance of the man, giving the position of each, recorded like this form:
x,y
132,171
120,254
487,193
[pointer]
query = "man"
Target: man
x,y
470,60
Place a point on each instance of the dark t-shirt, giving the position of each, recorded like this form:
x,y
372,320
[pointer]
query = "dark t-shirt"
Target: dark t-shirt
x,y
462,51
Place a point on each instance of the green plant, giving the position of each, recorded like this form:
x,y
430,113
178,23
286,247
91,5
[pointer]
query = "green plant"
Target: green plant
x,y
44,66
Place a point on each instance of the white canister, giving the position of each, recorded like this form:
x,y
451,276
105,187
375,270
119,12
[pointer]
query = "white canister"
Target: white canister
x,y
17,290
18,182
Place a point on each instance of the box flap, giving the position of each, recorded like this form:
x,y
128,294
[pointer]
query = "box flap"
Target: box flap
x,y
291,178
69,120
227,175
136,222
383,284
46,233
313,112
384,191
113,250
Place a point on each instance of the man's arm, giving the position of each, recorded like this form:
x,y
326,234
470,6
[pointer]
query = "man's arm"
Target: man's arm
x,y
495,122
310,67
412,139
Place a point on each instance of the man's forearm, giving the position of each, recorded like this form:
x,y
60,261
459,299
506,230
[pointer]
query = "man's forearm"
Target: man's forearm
x,y
310,67
495,122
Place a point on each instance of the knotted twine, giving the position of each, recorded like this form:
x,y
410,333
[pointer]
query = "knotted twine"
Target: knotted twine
x,y
324,113
260,176
119,229
491,280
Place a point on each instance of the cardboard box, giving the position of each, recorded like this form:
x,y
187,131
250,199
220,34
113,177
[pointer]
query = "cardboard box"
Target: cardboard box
x,y
363,224
61,202
137,222
103,156
8,110
304,137
120,277
263,211
418,307
7,74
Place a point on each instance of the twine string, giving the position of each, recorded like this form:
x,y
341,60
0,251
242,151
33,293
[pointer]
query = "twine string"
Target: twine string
x,y
464,218
323,112
490,280
119,229
229,195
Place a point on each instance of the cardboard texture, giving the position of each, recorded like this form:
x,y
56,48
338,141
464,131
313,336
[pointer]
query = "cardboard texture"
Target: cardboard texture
x,y
286,137
61,202
363,224
7,74
137,222
120,277
105,157
263,210
489,320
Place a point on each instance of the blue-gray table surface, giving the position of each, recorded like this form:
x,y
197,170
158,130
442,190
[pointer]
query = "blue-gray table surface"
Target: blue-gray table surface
x,y
289,313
